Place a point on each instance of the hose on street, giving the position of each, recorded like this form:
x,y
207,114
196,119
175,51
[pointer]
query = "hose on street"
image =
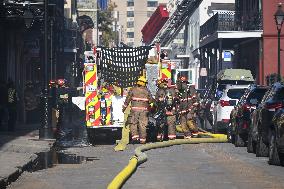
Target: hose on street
x,y
141,157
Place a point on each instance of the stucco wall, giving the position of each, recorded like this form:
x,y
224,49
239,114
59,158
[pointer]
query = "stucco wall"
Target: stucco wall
x,y
270,50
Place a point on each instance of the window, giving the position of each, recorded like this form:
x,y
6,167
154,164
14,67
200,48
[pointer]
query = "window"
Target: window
x,y
130,24
130,3
149,13
152,3
130,13
131,44
180,36
235,93
130,34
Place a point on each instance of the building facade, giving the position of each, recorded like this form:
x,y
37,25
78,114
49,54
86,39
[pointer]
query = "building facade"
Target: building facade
x,y
131,16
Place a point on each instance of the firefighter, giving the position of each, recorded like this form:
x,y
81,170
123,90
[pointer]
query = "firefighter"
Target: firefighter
x,y
166,98
140,98
187,108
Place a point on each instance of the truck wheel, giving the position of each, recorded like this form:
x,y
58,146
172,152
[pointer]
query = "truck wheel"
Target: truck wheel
x,y
239,142
250,145
261,148
91,136
273,151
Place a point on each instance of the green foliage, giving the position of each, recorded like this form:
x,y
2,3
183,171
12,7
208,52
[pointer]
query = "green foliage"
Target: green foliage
x,y
105,20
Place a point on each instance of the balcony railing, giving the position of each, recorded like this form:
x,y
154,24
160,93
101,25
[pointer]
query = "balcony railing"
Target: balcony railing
x,y
245,21
231,21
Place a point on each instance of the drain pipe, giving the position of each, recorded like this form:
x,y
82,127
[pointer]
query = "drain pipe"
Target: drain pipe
x,y
141,157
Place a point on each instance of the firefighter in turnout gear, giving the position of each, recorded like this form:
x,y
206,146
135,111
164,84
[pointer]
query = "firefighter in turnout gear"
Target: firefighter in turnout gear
x,y
140,98
187,108
166,102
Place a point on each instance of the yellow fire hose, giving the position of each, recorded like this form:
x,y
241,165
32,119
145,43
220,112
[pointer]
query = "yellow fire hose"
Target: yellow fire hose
x,y
141,157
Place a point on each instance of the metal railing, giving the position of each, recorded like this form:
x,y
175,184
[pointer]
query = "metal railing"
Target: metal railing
x,y
219,22
231,21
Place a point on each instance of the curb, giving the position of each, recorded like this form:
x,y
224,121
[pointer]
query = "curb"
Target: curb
x,y
4,182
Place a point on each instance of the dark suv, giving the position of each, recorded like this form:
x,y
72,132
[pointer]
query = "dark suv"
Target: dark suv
x,y
247,105
276,146
261,129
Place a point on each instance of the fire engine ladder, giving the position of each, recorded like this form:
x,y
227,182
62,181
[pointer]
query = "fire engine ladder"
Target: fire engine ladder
x,y
175,23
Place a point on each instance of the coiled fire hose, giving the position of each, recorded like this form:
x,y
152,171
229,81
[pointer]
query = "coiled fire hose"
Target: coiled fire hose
x,y
141,157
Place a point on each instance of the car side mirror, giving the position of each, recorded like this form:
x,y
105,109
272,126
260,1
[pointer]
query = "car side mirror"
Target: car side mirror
x,y
253,101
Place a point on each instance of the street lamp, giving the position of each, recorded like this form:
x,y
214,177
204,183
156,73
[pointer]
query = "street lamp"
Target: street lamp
x,y
29,18
279,19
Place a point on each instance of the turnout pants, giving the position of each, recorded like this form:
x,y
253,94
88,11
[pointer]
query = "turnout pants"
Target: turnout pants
x,y
188,124
171,119
138,122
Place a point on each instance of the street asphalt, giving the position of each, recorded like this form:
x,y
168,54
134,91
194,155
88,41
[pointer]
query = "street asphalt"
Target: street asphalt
x,y
216,166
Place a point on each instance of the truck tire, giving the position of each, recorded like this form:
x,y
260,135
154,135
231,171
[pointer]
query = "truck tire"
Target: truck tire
x,y
250,144
274,158
261,148
239,142
91,136
229,134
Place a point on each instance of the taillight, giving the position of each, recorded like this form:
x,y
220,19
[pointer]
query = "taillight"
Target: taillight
x,y
226,120
224,103
245,125
274,106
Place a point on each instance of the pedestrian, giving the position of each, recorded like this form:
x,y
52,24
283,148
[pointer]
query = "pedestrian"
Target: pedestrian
x,y
140,99
187,108
12,105
3,102
165,100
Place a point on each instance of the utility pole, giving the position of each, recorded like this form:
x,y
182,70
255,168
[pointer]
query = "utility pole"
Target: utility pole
x,y
45,131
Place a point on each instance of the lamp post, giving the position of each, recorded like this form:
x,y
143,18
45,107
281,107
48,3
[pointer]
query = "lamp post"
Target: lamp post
x,y
279,19
45,131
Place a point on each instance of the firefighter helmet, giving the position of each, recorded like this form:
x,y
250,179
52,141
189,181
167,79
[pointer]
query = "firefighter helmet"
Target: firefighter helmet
x,y
61,82
162,82
183,79
141,81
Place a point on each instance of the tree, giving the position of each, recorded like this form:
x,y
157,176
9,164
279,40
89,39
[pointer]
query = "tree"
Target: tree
x,y
105,20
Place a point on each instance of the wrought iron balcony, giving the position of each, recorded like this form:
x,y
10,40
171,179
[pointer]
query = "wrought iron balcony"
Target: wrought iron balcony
x,y
231,21
246,21
219,22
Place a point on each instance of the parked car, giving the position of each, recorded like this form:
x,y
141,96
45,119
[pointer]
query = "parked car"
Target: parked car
x,y
276,146
245,107
253,132
261,128
224,106
233,118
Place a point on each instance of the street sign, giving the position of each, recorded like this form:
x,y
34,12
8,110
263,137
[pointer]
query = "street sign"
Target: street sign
x,y
227,56
203,72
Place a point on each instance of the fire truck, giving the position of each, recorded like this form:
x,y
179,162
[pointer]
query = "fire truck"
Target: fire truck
x,y
103,103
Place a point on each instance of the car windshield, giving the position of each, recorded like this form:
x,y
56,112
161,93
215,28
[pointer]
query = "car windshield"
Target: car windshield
x,y
256,94
235,93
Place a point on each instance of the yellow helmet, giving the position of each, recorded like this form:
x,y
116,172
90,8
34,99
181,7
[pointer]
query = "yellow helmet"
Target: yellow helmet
x,y
141,81
142,78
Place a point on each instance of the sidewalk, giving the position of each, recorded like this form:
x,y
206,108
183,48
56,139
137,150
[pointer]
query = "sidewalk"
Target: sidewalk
x,y
18,150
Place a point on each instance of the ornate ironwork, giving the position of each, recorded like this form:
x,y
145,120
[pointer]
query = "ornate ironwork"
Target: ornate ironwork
x,y
248,20
222,21
231,21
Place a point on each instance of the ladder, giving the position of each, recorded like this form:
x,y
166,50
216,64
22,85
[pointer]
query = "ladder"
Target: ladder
x,y
174,24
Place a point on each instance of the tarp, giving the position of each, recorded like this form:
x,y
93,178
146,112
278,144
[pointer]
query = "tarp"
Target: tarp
x,y
123,65
235,74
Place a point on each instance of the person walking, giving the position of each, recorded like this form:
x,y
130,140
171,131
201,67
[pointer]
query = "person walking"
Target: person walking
x,y
12,105
140,99
166,102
